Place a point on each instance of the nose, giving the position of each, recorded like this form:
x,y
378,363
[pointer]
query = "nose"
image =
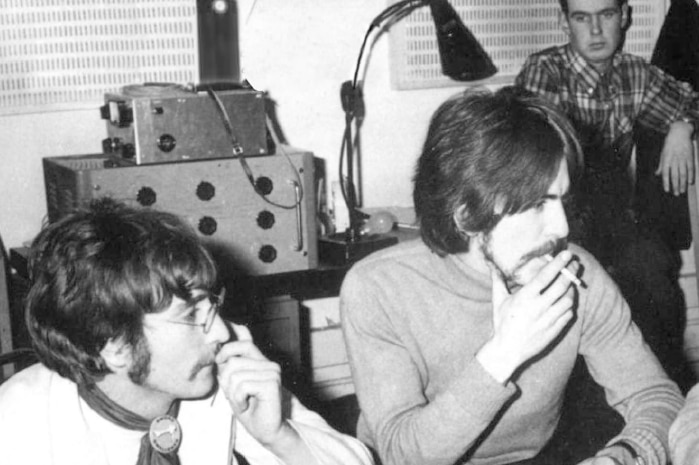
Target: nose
x,y
219,332
556,221
595,25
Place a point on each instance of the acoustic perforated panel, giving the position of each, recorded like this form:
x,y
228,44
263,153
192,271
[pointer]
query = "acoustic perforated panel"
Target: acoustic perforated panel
x,y
509,30
66,54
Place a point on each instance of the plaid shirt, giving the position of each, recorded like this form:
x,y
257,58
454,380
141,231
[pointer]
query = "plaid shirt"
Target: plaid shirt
x,y
632,92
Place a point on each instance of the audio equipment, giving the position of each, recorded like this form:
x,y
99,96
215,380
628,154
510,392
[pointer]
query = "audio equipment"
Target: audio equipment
x,y
264,227
167,123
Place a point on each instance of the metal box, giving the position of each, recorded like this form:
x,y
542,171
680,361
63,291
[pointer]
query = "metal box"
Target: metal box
x,y
266,229
161,126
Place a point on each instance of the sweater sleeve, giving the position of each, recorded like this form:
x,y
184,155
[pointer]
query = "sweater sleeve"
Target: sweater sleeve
x,y
622,363
402,424
684,433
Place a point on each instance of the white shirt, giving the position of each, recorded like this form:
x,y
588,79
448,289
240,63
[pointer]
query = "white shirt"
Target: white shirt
x,y
44,421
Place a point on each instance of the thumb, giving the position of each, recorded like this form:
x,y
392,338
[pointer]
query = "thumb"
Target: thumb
x,y
500,292
659,169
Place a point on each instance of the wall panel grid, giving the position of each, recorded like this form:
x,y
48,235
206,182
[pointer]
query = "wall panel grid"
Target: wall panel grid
x,y
66,54
509,30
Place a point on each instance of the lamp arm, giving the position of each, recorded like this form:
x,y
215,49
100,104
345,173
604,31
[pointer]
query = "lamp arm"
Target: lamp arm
x,y
397,9
353,105
459,51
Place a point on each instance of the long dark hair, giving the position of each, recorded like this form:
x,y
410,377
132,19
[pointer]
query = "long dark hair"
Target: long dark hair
x,y
96,272
485,150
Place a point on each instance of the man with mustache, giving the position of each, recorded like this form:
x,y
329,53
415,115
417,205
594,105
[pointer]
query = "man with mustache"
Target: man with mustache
x,y
612,99
461,343
138,367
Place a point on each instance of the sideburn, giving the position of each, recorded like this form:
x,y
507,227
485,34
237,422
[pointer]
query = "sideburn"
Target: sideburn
x,y
140,362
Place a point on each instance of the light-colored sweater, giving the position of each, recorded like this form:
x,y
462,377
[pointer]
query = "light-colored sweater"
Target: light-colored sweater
x,y
413,322
43,421
684,433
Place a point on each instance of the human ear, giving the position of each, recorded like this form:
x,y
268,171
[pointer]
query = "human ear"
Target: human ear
x,y
116,354
625,16
563,22
460,218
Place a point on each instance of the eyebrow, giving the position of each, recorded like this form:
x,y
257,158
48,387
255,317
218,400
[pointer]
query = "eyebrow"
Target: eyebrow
x,y
565,195
199,298
190,304
591,13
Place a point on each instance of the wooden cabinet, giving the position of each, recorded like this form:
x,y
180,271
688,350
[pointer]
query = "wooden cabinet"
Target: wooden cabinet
x,y
272,307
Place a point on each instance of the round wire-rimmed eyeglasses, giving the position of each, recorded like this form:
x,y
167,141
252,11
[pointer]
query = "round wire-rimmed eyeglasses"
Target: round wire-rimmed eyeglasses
x,y
216,302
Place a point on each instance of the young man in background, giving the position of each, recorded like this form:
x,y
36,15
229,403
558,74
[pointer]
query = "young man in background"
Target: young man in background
x,y
609,95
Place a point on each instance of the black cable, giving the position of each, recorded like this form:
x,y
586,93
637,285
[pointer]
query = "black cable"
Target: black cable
x,y
237,151
399,9
353,106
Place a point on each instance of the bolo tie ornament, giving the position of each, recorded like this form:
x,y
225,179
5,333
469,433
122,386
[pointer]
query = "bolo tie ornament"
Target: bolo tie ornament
x,y
165,434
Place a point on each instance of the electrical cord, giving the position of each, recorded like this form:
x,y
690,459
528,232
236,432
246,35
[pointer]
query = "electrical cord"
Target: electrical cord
x,y
237,151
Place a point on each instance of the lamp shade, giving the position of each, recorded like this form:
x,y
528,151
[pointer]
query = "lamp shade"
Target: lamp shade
x,y
462,57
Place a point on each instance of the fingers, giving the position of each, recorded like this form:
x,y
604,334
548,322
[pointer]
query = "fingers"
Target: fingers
x,y
691,165
681,188
663,170
243,364
562,311
256,398
572,273
556,325
547,282
237,371
553,321
678,179
242,347
242,332
678,171
248,387
686,172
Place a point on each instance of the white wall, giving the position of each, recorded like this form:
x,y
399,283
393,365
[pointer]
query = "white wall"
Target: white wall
x,y
24,140
300,52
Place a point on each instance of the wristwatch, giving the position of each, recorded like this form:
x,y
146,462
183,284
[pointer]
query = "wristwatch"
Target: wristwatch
x,y
692,121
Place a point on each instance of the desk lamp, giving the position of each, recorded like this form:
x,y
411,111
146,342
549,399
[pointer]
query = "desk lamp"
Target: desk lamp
x,y
462,59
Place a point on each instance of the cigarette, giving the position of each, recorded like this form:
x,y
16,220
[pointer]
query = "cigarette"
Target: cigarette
x,y
568,274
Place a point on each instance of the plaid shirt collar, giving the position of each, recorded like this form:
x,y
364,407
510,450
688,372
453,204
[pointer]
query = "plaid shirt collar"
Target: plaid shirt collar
x,y
586,72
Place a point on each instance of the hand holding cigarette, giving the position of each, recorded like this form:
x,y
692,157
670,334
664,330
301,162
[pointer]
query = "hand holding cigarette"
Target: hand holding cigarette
x,y
568,274
526,321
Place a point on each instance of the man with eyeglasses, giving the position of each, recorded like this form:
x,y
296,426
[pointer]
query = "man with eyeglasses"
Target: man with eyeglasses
x,y
137,366
615,100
